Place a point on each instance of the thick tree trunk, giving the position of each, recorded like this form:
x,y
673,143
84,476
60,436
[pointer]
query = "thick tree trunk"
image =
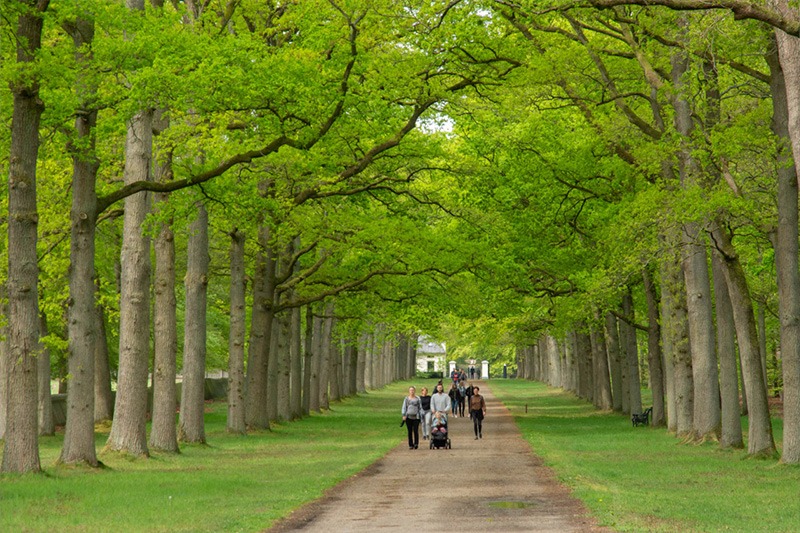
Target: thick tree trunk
x,y
627,334
614,360
236,407
583,352
257,412
602,383
315,387
325,352
731,436
667,356
103,397
760,441
164,433
191,426
21,444
677,334
308,359
79,444
701,332
128,430
335,366
283,364
654,355
785,237
46,425
361,364
296,354
369,365
3,378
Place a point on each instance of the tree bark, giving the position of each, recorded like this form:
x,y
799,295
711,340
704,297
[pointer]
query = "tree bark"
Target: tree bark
x,y
236,383
257,412
677,334
164,433
627,334
296,371
308,359
785,236
128,430
654,355
602,383
103,397
760,442
21,444
731,436
614,360
191,425
46,425
314,390
706,417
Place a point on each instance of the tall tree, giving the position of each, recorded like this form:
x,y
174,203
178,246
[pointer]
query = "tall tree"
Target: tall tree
x,y
21,445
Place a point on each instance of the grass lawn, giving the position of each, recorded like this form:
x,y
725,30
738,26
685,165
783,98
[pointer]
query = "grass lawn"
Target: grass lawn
x,y
644,479
234,483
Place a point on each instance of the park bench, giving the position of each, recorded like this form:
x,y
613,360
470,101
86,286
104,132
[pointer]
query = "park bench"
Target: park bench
x,y
641,419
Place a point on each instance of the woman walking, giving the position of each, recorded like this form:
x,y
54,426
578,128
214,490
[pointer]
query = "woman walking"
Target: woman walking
x,y
454,398
477,410
412,409
425,419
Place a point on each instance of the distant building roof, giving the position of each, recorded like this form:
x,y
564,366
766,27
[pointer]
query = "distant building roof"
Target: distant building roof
x,y
426,345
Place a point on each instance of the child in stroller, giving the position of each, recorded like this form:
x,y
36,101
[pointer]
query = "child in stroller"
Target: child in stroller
x,y
439,436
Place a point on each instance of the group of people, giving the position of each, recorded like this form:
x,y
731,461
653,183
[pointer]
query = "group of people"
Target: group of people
x,y
430,412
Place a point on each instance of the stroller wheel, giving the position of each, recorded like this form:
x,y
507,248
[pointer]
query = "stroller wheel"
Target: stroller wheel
x,y
431,446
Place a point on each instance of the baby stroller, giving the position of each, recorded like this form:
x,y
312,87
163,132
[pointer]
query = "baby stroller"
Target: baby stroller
x,y
439,436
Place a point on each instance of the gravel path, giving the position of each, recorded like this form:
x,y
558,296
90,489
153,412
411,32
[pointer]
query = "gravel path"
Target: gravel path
x,y
414,490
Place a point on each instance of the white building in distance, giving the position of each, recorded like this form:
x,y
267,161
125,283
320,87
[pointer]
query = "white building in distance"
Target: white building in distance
x,y
431,355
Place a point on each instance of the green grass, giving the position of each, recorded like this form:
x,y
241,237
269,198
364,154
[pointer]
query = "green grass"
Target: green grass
x,y
234,483
644,479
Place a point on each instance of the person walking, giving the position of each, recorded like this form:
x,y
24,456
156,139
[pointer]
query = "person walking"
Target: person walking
x,y
467,396
455,398
462,397
477,410
440,402
425,419
412,409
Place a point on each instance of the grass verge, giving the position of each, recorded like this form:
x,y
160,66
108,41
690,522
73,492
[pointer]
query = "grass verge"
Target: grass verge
x,y
644,479
234,483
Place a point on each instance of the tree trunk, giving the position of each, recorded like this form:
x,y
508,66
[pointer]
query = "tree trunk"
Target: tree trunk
x,y
785,241
308,360
325,352
760,441
46,425
191,426
164,433
236,407
668,352
256,411
315,387
128,430
284,366
632,354
701,335
21,444
361,365
614,360
79,446
654,355
602,383
335,366
103,398
677,333
296,353
731,436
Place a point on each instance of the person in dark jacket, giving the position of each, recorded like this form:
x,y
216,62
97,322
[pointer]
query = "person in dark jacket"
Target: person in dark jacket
x,y
425,399
477,410
455,397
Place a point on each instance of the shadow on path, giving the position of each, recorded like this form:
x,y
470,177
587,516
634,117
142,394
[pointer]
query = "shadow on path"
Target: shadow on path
x,y
492,484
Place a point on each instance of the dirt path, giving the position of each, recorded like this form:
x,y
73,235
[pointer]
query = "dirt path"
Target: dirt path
x,y
415,490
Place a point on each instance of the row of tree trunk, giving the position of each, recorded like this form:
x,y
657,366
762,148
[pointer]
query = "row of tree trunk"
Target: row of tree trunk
x,y
691,363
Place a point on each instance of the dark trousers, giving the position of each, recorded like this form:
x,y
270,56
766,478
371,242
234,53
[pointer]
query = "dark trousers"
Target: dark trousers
x,y
413,432
477,421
